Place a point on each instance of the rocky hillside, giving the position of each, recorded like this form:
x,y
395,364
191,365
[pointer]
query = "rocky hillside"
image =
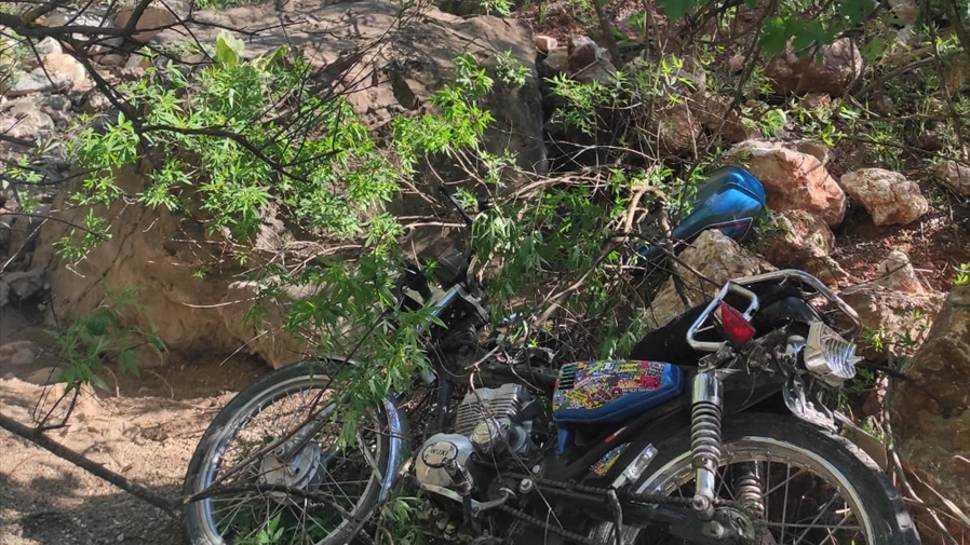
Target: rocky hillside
x,y
860,141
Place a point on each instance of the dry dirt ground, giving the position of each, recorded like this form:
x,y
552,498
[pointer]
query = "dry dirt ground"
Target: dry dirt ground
x,y
145,428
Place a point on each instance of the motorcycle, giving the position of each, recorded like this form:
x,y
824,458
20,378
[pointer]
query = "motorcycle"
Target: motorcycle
x,y
714,431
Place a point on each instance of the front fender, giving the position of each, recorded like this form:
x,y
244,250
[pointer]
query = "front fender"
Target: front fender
x,y
397,448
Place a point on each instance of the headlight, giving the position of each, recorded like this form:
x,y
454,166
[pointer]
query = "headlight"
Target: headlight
x,y
828,355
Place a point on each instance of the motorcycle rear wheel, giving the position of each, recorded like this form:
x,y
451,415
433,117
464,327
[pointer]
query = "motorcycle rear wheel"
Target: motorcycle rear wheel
x,y
819,488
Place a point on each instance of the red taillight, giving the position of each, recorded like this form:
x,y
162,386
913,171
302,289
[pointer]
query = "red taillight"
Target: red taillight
x,y
734,325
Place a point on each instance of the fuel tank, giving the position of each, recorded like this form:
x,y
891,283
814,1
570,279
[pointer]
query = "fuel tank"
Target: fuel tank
x,y
729,200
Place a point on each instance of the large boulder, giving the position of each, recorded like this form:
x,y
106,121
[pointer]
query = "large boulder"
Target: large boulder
x,y
197,308
931,413
714,255
25,118
386,64
832,70
892,308
889,197
955,176
796,238
59,72
793,180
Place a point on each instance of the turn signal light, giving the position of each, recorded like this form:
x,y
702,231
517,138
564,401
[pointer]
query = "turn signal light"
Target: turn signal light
x,y
734,325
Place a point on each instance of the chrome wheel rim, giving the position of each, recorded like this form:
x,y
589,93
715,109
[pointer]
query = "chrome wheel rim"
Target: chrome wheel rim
x,y
316,466
837,517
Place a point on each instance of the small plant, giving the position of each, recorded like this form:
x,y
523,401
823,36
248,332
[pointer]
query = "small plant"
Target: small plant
x,y
510,71
962,276
500,7
102,336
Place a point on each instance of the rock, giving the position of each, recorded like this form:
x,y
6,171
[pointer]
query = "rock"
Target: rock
x,y
61,72
414,61
896,273
22,285
736,63
17,354
270,342
44,376
152,21
814,148
955,176
557,60
712,254
793,180
839,66
589,62
545,44
34,82
931,414
95,102
710,109
25,118
906,10
889,197
892,320
798,239
816,101
676,127
199,314
47,46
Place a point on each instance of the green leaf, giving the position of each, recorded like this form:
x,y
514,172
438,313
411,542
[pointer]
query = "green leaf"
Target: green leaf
x,y
229,49
675,9
774,36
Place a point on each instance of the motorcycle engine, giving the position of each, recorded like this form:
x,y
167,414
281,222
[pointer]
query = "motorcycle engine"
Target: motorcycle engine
x,y
489,423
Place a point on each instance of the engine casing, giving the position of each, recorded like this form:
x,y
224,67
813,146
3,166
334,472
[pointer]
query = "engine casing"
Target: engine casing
x,y
487,423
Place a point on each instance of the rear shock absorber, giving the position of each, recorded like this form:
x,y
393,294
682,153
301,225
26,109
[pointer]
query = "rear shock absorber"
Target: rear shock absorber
x,y
749,491
705,439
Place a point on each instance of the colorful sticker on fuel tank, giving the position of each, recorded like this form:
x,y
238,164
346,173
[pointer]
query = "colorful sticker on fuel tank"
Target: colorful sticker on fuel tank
x,y
589,385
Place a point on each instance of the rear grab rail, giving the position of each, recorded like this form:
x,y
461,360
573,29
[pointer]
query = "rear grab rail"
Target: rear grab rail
x,y
736,286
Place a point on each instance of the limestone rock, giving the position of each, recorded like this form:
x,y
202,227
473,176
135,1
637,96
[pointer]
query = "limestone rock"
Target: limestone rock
x,y
797,239
414,61
589,62
839,65
25,118
714,255
545,44
20,286
557,60
195,313
151,22
267,339
60,72
896,273
814,148
17,354
793,180
956,176
889,197
931,415
906,10
895,318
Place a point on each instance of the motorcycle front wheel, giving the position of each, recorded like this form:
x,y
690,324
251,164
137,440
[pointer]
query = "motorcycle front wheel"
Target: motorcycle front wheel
x,y
809,486
274,467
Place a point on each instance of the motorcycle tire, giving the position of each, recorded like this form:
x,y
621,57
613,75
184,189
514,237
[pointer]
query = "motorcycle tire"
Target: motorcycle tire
x,y
246,405
884,518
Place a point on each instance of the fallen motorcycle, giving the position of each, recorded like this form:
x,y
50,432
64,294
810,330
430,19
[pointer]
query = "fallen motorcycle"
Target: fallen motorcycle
x,y
713,432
